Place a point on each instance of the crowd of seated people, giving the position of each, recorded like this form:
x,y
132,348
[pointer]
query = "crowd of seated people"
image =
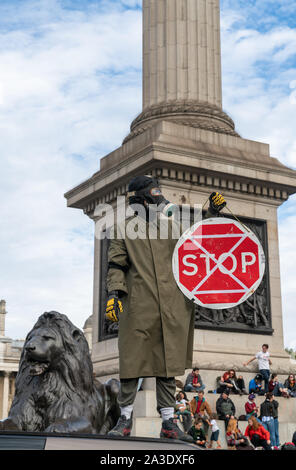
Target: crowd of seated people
x,y
262,429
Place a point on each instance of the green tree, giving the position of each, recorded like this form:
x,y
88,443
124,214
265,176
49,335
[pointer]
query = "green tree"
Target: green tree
x,y
291,352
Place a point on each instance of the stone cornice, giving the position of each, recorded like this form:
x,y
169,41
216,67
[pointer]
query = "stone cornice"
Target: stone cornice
x,y
100,176
197,180
107,185
211,159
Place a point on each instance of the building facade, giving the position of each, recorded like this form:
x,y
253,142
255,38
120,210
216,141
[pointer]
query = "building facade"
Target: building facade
x,y
10,353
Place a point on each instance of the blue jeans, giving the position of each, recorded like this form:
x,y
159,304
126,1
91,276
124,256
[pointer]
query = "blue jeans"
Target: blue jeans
x,y
265,374
270,427
276,432
190,388
276,390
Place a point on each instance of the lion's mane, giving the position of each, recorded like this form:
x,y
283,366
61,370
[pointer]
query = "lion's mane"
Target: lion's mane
x,y
66,391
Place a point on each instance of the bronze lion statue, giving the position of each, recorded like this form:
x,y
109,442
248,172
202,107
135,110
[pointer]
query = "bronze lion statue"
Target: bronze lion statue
x,y
55,386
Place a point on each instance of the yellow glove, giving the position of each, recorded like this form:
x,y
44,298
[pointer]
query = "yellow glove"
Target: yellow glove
x,y
217,202
114,307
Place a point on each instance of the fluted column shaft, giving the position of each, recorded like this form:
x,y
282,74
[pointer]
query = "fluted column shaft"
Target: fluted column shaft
x,y
2,317
181,51
5,396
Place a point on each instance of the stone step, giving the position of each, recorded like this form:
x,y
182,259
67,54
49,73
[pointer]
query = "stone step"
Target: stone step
x,y
150,427
287,406
147,422
209,376
145,405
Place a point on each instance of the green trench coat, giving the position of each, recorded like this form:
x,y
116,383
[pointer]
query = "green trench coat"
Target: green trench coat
x,y
156,328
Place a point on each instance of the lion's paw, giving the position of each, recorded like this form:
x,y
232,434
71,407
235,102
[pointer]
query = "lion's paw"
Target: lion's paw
x,y
57,428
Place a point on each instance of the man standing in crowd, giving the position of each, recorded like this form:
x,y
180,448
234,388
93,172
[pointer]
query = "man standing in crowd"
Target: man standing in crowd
x,y
156,321
264,364
268,410
276,421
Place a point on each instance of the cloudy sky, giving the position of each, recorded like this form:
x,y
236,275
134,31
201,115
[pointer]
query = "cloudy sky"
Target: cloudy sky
x,y
70,84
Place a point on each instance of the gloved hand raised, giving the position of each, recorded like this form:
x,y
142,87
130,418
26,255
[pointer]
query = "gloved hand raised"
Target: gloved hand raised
x,y
114,307
217,203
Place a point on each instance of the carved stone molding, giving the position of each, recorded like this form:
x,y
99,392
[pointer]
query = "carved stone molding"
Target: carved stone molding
x,y
187,112
252,316
198,179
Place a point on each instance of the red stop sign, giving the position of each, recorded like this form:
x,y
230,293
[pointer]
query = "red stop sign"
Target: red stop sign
x,y
218,263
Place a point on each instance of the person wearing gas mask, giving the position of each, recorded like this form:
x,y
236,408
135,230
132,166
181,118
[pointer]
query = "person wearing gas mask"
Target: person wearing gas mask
x,y
156,321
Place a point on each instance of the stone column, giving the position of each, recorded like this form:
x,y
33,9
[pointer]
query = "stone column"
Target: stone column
x,y
182,66
181,51
5,395
2,317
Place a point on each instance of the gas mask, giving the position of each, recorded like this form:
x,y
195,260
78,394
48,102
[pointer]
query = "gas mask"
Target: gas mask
x,y
151,195
165,207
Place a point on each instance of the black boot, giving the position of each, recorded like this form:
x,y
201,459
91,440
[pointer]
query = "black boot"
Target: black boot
x,y
123,427
170,430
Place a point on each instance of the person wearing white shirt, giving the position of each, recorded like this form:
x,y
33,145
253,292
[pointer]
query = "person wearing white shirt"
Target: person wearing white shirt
x,y
264,363
214,431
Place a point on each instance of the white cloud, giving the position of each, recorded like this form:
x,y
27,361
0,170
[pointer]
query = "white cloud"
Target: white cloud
x,y
288,252
259,71
257,86
70,85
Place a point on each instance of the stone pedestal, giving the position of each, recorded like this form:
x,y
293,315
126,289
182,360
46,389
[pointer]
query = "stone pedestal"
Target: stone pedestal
x,y
191,163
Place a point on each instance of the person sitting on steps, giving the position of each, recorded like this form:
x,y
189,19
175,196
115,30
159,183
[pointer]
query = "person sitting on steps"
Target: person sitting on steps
x,y
251,408
198,434
255,385
290,385
277,388
183,412
235,439
229,381
194,381
257,434
201,409
225,408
